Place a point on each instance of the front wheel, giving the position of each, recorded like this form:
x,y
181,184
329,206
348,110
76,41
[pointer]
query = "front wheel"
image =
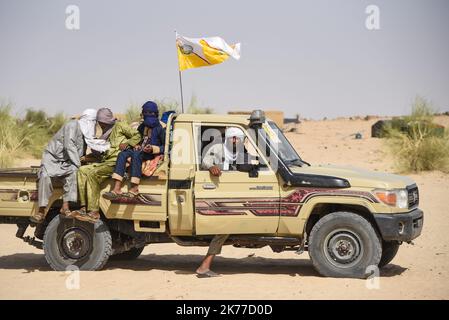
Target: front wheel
x,y
72,243
389,251
344,245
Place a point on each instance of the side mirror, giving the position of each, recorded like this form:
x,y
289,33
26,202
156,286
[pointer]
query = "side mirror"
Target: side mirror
x,y
253,170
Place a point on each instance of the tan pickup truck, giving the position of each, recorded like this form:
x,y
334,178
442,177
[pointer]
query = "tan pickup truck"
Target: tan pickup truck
x,y
349,220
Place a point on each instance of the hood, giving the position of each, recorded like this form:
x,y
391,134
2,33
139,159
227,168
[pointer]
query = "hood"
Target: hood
x,y
358,177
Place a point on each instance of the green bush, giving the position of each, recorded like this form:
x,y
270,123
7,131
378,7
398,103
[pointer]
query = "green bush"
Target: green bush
x,y
10,141
41,128
132,113
195,108
16,137
56,122
167,105
421,147
27,136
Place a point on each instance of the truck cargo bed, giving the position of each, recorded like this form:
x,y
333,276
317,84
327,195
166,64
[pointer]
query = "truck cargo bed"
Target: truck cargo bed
x,y
18,192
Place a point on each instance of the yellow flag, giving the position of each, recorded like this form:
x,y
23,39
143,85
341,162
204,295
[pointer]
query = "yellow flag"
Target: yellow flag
x,y
202,52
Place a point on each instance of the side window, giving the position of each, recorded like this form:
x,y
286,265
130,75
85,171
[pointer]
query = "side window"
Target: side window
x,y
210,139
214,148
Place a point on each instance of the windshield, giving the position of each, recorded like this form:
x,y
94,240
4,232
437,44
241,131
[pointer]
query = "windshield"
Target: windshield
x,y
280,145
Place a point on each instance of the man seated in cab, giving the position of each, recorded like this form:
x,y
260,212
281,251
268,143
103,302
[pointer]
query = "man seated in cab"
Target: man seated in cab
x,y
227,156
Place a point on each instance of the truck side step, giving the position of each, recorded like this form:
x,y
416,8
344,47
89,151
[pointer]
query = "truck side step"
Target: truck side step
x,y
263,240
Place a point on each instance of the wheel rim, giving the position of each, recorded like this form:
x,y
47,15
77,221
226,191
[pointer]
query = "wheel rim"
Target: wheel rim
x,y
343,248
75,243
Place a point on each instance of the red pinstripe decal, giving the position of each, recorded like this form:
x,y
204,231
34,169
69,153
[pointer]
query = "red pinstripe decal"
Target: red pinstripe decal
x,y
289,206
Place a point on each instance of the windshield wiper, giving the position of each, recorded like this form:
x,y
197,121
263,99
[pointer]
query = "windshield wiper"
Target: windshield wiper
x,y
295,162
305,162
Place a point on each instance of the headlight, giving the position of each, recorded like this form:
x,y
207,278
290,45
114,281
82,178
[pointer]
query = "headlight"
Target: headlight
x,y
395,198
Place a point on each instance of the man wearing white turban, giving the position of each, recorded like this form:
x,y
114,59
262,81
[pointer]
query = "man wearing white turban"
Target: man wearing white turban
x,y
226,156
88,122
221,157
61,160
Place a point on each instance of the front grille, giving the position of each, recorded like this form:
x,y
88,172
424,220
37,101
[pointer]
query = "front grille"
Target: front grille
x,y
413,196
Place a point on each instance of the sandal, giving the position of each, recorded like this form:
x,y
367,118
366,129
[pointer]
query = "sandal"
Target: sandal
x,y
37,218
66,212
112,195
207,274
79,212
91,217
130,194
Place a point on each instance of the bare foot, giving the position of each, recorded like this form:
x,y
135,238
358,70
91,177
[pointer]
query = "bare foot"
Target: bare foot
x,y
134,190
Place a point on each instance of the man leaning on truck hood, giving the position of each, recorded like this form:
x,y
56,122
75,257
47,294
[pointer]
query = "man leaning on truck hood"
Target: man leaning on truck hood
x,y
61,160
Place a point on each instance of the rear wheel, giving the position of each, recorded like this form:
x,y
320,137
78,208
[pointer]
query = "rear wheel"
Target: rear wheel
x,y
344,245
69,242
389,251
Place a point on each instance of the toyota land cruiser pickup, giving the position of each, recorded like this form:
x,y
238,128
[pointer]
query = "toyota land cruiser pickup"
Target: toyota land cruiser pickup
x,y
348,220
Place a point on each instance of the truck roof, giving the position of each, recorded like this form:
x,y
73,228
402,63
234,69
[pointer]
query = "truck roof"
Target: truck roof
x,y
221,118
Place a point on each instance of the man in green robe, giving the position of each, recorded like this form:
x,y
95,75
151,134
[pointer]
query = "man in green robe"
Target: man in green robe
x,y
61,160
90,177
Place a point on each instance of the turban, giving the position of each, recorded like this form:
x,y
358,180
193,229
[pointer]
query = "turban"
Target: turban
x,y
87,122
150,114
105,115
234,132
229,154
166,115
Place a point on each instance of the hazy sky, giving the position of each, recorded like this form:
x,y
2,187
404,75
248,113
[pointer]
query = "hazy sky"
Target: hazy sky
x,y
315,58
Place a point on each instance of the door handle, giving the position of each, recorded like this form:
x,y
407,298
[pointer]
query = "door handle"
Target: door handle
x,y
209,186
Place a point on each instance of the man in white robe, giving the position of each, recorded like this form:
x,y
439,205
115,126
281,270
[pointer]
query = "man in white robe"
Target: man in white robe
x,y
61,160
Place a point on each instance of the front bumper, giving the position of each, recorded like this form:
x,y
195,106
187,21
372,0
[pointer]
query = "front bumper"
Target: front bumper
x,y
400,226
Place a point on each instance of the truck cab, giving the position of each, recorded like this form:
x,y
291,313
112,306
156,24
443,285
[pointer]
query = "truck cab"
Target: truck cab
x,y
348,219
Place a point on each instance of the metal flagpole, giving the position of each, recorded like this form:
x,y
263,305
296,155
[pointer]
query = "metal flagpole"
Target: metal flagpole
x,y
180,77
180,86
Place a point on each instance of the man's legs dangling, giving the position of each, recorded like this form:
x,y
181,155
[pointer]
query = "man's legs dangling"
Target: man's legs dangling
x,y
81,176
97,175
214,248
45,191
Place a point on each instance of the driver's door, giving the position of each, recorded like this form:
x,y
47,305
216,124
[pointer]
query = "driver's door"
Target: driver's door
x,y
235,203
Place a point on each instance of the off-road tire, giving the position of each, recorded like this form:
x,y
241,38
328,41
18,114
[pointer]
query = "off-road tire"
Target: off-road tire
x,y
131,254
99,244
389,251
344,227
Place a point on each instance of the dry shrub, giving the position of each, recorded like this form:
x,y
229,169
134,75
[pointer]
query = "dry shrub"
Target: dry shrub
x,y
25,137
421,147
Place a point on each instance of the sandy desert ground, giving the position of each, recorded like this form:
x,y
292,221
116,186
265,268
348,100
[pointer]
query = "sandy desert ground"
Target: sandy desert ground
x,y
165,271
